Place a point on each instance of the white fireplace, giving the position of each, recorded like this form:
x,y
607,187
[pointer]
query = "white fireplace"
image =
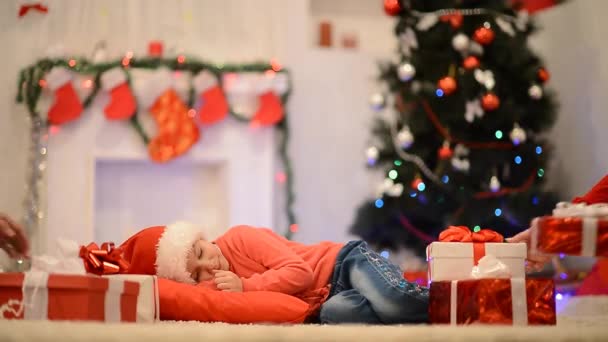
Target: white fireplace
x,y
102,186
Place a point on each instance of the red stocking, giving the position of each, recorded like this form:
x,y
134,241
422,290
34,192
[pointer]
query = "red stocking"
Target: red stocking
x,y
67,105
122,103
213,107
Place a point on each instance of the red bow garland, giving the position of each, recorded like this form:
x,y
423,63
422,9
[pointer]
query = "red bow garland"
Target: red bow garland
x,y
35,7
104,260
464,234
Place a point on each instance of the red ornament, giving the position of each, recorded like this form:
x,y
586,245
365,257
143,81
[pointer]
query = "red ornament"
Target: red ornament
x,y
454,19
483,35
445,152
471,63
392,7
416,182
490,102
447,84
543,75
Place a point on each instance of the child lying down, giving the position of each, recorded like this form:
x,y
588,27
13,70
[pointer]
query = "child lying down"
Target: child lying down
x,y
355,284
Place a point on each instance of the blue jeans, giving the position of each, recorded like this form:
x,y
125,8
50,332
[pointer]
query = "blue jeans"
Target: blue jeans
x,y
367,288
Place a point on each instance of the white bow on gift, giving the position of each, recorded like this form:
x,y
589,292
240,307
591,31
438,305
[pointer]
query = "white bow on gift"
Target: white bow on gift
x,y
65,260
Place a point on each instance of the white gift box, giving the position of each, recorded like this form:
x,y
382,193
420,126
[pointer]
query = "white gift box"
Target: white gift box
x,y
147,301
454,260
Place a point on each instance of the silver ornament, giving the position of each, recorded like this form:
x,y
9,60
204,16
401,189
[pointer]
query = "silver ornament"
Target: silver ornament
x,y
372,154
494,184
405,138
517,135
460,42
535,91
377,101
406,71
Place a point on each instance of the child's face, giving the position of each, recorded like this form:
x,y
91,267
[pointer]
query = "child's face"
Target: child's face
x,y
204,258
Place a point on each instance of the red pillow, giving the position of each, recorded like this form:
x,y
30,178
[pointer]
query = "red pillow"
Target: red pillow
x,y
185,302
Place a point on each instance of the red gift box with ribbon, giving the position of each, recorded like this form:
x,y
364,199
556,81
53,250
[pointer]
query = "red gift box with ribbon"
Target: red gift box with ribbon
x,y
515,301
574,229
41,295
459,249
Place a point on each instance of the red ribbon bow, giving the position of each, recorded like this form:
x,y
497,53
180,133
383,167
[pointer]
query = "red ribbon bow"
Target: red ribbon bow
x,y
104,260
36,7
464,234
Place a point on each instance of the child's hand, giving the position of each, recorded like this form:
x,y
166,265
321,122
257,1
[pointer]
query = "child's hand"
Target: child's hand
x,y
227,281
535,262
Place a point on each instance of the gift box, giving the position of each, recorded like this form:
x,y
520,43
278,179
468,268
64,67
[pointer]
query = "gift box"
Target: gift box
x,y
515,301
574,229
459,249
147,300
42,295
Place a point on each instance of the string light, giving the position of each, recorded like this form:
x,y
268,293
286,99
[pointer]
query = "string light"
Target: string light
x,y
498,134
88,83
191,112
476,229
498,212
385,254
439,92
398,162
559,296
42,83
72,63
294,228
181,59
541,172
562,255
413,194
281,177
379,203
421,186
275,65
535,200
445,179
392,174
518,160
563,275
539,150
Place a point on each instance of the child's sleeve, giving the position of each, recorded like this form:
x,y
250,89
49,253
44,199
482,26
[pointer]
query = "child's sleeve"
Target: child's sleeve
x,y
287,272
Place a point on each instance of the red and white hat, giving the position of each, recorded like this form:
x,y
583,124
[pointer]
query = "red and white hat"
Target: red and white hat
x,y
162,250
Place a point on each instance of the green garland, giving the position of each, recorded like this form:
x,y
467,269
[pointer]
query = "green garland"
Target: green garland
x,y
30,89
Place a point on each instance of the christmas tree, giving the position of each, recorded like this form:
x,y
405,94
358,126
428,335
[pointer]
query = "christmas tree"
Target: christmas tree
x,y
459,125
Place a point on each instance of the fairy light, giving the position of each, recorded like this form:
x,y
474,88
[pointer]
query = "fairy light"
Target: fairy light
x,y
392,174
540,173
498,134
398,162
497,212
191,112
181,59
476,229
421,186
72,63
385,254
439,92
445,179
87,84
42,83
518,160
539,150
379,203
294,228
275,65
281,177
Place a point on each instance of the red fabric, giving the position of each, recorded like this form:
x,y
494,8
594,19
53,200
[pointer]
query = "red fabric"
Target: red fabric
x,y
66,107
597,194
266,261
489,301
214,106
72,297
464,234
185,302
122,103
270,110
533,6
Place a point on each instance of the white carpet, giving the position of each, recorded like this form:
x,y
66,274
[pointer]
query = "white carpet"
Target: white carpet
x,y
583,320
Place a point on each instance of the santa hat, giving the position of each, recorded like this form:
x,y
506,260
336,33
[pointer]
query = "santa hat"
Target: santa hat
x,y
162,250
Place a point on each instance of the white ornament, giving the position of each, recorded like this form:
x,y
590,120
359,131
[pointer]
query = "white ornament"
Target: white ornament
x,y
494,184
458,161
505,26
473,110
372,154
390,188
377,101
460,42
522,20
406,71
475,48
485,77
535,91
462,165
427,21
405,138
518,135
408,41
